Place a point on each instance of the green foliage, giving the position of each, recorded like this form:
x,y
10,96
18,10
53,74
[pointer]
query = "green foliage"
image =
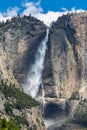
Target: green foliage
x,y
8,125
8,108
22,100
75,96
21,120
16,99
80,116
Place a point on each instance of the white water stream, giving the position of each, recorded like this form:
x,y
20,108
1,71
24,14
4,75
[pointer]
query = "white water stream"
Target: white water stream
x,y
34,79
43,98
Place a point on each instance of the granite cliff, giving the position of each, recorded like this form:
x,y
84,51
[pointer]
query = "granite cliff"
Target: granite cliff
x,y
66,56
65,66
65,73
19,40
20,108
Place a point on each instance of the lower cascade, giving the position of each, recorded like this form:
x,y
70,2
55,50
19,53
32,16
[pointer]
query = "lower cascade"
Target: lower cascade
x,y
43,99
34,80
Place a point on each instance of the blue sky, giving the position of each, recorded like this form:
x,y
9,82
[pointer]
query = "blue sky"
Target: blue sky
x,y
54,5
45,10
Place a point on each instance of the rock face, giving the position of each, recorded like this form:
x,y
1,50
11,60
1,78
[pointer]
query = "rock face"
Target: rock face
x,y
65,66
66,59
65,73
19,40
28,119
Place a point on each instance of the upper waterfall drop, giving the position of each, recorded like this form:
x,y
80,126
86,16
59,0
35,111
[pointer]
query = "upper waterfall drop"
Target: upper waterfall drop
x,y
35,74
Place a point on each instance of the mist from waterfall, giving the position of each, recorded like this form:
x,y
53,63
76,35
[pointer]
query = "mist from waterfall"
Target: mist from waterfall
x,y
43,99
34,79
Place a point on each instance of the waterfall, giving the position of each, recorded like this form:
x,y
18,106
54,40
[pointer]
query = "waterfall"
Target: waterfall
x,y
34,79
43,98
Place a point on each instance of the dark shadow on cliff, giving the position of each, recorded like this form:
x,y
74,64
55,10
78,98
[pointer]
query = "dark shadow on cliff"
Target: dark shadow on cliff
x,y
48,79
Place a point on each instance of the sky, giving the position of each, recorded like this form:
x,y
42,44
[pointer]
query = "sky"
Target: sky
x,y
45,10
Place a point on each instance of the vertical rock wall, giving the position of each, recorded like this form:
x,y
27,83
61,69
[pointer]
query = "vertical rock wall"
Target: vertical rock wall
x,y
66,60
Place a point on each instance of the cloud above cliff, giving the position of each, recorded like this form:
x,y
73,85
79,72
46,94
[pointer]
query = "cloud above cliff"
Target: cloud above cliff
x,y
34,9
9,14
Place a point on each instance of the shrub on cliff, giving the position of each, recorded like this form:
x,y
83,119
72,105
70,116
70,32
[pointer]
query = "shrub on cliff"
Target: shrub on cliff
x,y
21,120
8,108
75,96
22,99
8,125
80,116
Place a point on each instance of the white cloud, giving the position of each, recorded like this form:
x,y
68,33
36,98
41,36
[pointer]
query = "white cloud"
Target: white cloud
x,y
32,8
74,10
49,17
9,14
12,12
35,10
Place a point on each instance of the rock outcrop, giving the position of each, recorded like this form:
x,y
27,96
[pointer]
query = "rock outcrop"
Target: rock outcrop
x,y
19,40
66,59
65,73
27,119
